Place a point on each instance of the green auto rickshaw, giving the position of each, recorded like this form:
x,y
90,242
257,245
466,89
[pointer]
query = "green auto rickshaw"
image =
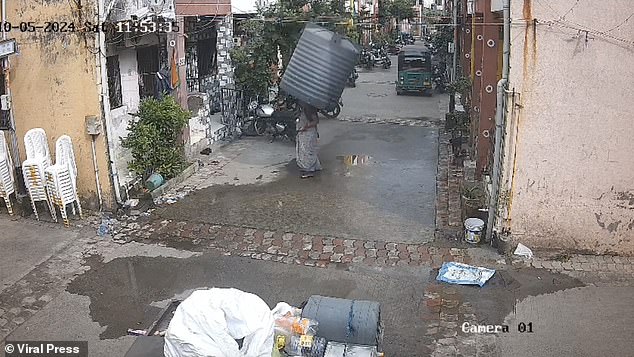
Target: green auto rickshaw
x,y
414,72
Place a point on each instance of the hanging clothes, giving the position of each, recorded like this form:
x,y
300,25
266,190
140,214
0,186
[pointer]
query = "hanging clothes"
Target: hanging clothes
x,y
163,84
175,82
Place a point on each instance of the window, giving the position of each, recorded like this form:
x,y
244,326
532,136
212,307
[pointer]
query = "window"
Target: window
x,y
148,61
206,57
114,82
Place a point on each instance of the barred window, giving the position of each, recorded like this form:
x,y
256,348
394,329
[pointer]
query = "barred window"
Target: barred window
x,y
114,82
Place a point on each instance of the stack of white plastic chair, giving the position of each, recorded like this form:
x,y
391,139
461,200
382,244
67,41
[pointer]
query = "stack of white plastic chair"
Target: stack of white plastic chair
x,y
7,180
38,159
61,178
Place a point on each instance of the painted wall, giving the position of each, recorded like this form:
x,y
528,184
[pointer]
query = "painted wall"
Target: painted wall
x,y
203,7
54,86
572,184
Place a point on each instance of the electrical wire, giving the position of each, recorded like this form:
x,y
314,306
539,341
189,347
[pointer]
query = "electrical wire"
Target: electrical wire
x,y
578,27
569,11
622,23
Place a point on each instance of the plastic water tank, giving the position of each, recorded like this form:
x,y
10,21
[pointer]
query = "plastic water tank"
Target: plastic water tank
x,y
347,321
319,68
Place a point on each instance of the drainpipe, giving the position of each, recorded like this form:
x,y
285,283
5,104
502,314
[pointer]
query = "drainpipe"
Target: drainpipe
x,y
17,163
105,101
499,122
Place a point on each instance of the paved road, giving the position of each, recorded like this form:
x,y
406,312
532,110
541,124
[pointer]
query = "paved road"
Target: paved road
x,y
386,193
375,97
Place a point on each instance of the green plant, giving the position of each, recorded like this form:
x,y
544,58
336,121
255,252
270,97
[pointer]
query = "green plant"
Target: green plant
x,y
460,85
473,193
153,138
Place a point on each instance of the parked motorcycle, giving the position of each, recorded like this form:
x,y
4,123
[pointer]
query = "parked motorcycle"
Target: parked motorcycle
x,y
366,59
380,57
333,113
265,119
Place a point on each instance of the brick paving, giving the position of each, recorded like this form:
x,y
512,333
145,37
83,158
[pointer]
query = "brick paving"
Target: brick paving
x,y
448,180
446,311
392,121
288,247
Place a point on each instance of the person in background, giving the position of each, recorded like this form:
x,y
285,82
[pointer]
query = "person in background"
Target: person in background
x,y
306,143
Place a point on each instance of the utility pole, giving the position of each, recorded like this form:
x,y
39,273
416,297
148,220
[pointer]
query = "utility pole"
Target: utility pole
x,y
454,9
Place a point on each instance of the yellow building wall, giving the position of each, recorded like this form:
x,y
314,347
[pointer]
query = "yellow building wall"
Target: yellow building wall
x,y
53,83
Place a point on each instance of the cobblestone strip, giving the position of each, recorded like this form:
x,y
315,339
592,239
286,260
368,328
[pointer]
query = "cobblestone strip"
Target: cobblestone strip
x,y
392,121
290,248
585,263
446,312
448,178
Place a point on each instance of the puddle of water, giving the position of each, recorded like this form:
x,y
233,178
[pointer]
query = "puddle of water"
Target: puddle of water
x,y
129,292
355,160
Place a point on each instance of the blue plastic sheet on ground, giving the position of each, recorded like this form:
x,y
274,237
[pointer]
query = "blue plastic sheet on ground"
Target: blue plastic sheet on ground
x,y
457,273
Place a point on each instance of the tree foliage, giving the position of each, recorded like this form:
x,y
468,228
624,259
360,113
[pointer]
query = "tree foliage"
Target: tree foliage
x,y
441,39
278,26
396,9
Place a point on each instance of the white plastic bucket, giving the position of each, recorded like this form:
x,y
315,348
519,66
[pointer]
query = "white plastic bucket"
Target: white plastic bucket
x,y
473,230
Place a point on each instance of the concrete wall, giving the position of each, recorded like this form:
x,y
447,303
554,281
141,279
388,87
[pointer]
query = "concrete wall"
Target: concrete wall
x,y
54,86
572,184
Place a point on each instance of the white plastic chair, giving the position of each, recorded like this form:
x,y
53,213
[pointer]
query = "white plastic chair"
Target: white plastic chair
x,y
61,178
38,159
7,180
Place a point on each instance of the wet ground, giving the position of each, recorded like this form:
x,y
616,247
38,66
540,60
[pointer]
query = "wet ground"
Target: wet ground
x,y
375,97
128,290
378,181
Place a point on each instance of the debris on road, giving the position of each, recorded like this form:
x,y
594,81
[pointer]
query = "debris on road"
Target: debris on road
x,y
137,332
463,274
523,251
108,226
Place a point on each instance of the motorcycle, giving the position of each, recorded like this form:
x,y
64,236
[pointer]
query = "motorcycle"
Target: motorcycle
x,y
333,113
265,119
366,59
380,57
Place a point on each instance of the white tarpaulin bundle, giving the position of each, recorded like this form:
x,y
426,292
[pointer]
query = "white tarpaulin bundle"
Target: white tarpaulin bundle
x,y
209,321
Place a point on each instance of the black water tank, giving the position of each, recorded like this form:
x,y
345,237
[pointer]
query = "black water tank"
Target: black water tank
x,y
319,68
347,321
